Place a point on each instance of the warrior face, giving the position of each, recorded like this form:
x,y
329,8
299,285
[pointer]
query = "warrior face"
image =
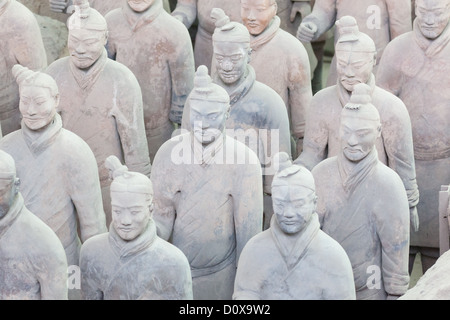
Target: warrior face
x,y
130,213
358,135
38,106
353,67
140,5
208,120
86,46
231,61
293,206
257,14
432,16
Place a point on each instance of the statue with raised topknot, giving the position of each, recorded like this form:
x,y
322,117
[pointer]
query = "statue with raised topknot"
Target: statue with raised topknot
x,y
208,192
363,205
131,262
293,259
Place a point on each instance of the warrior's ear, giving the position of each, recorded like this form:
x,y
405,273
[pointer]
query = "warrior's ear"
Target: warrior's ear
x,y
106,37
151,209
57,98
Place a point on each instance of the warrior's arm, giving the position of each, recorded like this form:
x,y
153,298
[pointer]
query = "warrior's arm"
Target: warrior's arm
x,y
51,267
29,49
315,141
393,227
400,20
389,77
321,19
89,287
129,116
300,93
182,69
400,151
186,12
85,192
164,212
246,282
248,202
275,138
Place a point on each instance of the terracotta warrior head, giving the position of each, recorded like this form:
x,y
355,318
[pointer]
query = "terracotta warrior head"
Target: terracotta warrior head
x,y
360,125
210,105
141,5
257,14
88,34
293,195
9,183
432,16
39,97
131,200
355,54
231,41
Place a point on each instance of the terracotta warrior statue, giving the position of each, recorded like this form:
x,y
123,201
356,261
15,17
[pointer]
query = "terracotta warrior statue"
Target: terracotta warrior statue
x,y
280,61
60,181
33,264
356,56
102,6
363,205
381,20
190,11
294,259
158,49
258,115
208,192
101,100
131,262
415,67
20,43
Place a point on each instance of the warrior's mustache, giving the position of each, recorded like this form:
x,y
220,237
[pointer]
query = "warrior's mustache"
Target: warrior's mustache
x,y
81,56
